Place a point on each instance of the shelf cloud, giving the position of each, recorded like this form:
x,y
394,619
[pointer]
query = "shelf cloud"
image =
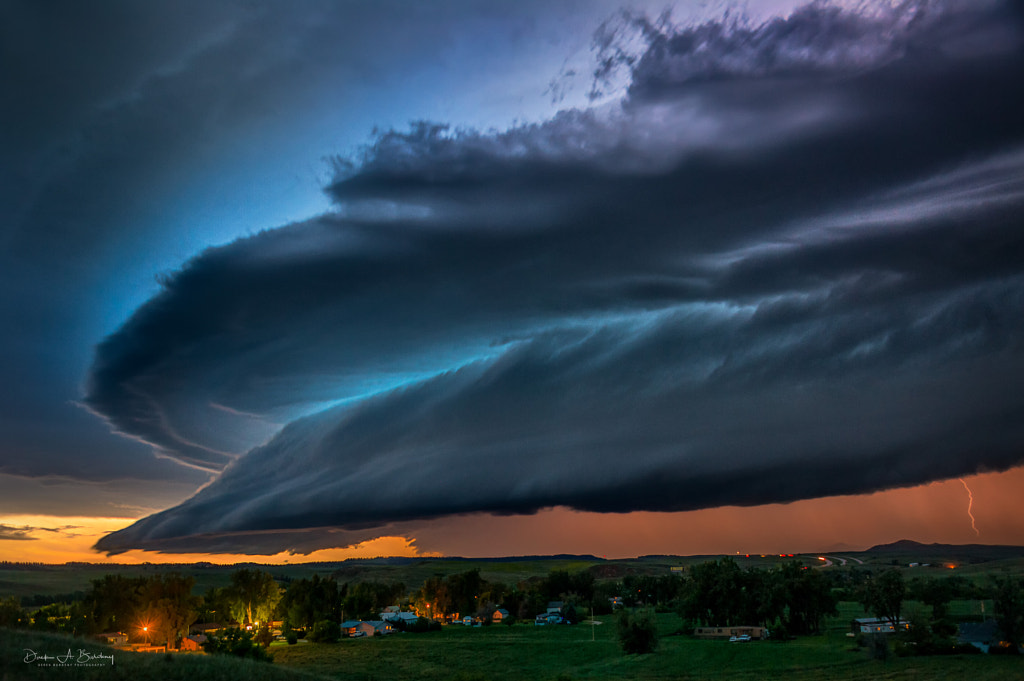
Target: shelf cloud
x,y
788,263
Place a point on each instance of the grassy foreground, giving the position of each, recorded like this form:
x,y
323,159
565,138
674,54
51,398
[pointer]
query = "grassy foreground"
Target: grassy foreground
x,y
500,653
558,653
127,665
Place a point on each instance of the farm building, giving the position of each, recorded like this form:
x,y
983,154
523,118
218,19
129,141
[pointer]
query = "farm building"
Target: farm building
x,y
114,638
878,625
193,643
755,633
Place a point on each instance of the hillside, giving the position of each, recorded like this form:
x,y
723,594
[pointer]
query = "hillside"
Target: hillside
x,y
954,553
81,660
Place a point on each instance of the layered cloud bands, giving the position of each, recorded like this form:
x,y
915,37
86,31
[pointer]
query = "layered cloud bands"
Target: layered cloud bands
x,y
789,264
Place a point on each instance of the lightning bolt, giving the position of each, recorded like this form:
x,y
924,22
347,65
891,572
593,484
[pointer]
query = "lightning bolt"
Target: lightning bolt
x,y
970,505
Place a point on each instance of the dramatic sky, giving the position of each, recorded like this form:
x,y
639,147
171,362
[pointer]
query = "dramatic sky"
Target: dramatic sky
x,y
324,279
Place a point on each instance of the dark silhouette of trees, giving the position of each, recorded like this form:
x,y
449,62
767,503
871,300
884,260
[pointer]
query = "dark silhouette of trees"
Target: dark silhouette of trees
x,y
883,595
171,606
807,597
789,599
365,600
1009,606
719,593
308,601
114,601
11,614
237,642
325,631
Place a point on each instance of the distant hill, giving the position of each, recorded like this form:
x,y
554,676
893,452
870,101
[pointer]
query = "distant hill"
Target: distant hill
x,y
973,553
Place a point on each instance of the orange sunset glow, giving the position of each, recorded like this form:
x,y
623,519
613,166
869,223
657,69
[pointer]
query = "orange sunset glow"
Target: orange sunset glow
x,y
933,513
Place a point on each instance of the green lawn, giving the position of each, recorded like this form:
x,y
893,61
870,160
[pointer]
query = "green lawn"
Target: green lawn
x,y
561,652
500,653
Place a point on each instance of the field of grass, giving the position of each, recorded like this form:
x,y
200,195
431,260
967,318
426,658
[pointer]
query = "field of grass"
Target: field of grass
x,y
127,666
557,653
28,580
522,651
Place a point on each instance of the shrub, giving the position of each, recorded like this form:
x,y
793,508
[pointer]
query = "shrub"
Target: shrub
x,y
238,643
637,633
325,631
264,636
878,646
779,632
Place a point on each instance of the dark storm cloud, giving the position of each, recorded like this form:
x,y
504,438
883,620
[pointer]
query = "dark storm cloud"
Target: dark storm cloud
x,y
118,122
798,274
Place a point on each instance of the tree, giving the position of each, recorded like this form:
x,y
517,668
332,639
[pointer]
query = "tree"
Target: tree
x,y
307,601
883,596
935,593
808,598
637,632
325,631
365,600
238,642
1009,605
11,614
716,595
115,602
216,605
254,595
171,606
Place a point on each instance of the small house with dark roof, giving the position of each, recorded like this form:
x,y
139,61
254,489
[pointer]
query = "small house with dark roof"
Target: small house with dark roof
x,y
349,627
981,635
114,638
374,627
193,643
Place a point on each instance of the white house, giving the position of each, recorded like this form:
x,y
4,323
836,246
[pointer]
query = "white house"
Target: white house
x,y
394,616
114,638
879,625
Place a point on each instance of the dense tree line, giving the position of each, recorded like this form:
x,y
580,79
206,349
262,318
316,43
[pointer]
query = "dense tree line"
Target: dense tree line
x,y
156,609
789,599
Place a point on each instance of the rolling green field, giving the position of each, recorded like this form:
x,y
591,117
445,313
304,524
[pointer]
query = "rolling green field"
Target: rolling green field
x,y
522,651
556,653
978,566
